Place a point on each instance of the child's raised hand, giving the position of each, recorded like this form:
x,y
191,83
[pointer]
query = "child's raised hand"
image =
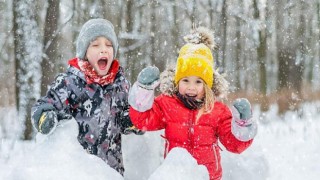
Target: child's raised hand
x,y
244,127
141,95
244,108
149,76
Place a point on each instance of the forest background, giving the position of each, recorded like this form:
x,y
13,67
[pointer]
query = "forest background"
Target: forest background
x,y
268,49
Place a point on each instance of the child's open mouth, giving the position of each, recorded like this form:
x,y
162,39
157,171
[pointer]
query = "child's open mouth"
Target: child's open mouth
x,y
102,63
191,95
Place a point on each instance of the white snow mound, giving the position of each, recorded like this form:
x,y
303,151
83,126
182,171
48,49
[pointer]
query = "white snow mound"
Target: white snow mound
x,y
60,156
180,165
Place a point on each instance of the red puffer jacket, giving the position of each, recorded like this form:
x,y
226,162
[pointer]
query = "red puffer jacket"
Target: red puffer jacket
x,y
181,130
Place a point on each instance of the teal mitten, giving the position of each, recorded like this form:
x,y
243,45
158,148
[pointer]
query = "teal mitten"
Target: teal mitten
x,y
149,75
243,106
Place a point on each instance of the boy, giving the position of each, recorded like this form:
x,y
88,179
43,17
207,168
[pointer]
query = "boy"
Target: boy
x,y
94,92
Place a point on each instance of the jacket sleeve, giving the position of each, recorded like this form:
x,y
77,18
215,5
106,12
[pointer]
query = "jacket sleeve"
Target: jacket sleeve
x,y
229,141
126,125
122,118
150,120
54,100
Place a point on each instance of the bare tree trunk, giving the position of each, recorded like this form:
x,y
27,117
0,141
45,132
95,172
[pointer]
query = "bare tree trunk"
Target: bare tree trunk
x,y
27,59
224,30
283,54
17,48
261,52
284,51
238,54
298,68
155,39
318,10
153,32
213,27
48,65
7,93
211,15
192,13
129,56
175,30
290,73
82,8
315,42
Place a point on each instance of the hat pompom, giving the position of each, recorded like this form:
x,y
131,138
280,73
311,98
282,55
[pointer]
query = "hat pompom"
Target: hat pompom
x,y
201,35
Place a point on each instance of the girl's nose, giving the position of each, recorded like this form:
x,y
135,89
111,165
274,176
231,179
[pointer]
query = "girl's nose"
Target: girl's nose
x,y
190,87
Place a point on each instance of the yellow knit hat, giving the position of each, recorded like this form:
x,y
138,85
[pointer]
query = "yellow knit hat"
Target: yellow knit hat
x,y
195,58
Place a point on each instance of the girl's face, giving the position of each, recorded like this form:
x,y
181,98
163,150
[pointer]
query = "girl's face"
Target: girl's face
x,y
192,86
100,55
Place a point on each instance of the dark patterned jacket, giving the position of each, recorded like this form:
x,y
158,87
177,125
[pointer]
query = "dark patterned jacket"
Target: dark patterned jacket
x,y
100,111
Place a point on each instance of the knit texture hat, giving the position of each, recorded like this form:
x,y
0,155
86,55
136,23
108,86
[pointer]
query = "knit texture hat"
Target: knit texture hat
x,y
195,58
93,29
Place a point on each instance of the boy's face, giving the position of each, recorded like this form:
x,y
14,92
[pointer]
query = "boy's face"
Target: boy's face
x,y
191,86
100,55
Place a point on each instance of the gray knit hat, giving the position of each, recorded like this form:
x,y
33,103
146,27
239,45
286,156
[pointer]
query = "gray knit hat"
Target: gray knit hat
x,y
91,30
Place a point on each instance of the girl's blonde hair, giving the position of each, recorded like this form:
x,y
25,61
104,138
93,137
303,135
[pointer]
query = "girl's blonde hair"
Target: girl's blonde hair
x,y
209,98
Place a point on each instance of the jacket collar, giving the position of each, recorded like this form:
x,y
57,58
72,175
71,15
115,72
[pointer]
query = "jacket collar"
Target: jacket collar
x,y
75,69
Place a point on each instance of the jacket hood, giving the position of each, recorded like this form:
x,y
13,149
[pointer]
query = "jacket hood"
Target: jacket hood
x,y
167,86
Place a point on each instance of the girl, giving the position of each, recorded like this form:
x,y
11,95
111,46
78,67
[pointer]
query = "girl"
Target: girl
x,y
187,108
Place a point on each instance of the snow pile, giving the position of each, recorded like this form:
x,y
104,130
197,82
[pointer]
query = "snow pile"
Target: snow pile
x,y
286,147
250,165
142,154
59,156
180,165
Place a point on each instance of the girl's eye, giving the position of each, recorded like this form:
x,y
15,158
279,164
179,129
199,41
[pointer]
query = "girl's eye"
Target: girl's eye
x,y
185,80
199,82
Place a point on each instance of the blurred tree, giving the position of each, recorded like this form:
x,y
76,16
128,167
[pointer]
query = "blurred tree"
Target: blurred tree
x,y
261,52
223,32
302,46
50,37
237,59
7,93
130,54
27,61
153,38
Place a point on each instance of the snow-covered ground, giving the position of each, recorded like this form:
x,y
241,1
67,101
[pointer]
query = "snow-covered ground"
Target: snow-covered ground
x,y
286,147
